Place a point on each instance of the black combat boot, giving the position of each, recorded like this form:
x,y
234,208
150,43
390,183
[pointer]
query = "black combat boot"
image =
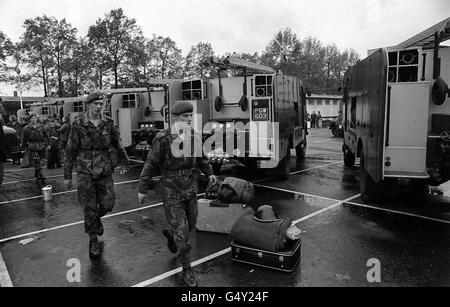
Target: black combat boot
x,y
100,230
94,249
170,241
188,278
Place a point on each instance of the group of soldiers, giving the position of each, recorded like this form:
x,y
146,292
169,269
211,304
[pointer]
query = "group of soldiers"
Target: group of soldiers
x,y
92,144
41,140
316,119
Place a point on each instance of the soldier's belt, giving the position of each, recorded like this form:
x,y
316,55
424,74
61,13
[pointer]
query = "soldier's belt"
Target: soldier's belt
x,y
180,172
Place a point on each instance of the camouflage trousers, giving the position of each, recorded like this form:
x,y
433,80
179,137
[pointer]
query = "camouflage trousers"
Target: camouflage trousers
x,y
38,157
97,198
181,217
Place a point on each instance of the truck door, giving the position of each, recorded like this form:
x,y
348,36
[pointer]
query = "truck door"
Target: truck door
x,y
374,121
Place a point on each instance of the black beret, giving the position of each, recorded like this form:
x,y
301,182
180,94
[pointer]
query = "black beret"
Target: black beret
x,y
182,107
94,96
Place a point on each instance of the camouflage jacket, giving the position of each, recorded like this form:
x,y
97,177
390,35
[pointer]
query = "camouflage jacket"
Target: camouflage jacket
x,y
91,148
52,132
179,179
35,138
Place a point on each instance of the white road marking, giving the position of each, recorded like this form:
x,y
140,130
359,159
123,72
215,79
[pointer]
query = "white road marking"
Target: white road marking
x,y
125,212
75,223
56,194
5,279
401,213
227,250
316,167
358,204
33,179
293,192
178,270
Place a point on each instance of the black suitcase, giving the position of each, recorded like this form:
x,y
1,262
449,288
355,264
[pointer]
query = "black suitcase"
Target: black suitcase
x,y
286,260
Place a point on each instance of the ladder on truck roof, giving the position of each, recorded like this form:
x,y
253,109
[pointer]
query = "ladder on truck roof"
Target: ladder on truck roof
x,y
231,62
426,39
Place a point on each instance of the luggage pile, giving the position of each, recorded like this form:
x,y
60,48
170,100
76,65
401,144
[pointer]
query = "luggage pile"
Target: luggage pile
x,y
258,237
224,204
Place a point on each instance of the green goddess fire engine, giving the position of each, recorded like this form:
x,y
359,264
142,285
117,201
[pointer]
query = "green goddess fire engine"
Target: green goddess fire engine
x,y
397,112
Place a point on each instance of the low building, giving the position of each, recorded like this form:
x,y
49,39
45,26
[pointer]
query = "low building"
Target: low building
x,y
328,105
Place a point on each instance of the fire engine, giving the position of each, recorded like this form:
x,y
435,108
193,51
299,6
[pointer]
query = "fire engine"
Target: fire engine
x,y
397,112
69,107
265,108
260,109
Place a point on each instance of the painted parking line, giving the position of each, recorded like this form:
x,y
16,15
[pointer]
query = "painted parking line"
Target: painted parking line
x,y
178,270
56,194
33,179
358,204
228,250
401,213
129,211
5,279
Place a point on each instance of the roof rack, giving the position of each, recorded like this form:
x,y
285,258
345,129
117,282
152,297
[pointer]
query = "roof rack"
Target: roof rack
x,y
426,39
231,62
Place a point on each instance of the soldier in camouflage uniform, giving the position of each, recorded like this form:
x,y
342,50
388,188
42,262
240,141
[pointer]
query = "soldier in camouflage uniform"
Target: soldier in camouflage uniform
x,y
35,140
91,141
179,185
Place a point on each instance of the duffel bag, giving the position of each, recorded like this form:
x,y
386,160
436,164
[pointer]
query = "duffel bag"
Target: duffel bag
x,y
236,190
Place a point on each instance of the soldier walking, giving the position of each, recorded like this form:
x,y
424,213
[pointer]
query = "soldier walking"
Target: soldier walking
x,y
35,140
93,143
52,127
179,185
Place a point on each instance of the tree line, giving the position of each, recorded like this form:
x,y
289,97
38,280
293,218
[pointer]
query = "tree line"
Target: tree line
x,y
115,53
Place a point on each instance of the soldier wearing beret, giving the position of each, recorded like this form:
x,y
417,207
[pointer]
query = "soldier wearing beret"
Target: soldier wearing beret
x,y
179,185
91,141
35,140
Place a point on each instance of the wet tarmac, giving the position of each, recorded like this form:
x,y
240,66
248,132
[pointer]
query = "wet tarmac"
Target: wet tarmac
x,y
342,233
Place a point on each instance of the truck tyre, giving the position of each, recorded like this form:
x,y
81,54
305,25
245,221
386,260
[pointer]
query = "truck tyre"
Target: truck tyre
x,y
284,166
368,187
300,151
349,158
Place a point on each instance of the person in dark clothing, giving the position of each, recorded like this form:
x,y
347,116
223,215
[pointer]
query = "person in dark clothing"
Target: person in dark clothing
x,y
53,154
313,119
35,139
179,184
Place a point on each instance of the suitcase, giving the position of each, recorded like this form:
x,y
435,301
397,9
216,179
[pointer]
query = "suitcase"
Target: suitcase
x,y
286,260
216,216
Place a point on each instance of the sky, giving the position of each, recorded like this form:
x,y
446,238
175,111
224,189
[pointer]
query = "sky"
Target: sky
x,y
244,25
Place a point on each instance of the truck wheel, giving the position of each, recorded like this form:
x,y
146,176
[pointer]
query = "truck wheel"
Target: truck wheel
x,y
300,151
334,131
284,167
349,158
367,186
1,173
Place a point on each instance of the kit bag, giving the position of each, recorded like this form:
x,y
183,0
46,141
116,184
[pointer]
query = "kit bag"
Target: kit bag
x,y
236,190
